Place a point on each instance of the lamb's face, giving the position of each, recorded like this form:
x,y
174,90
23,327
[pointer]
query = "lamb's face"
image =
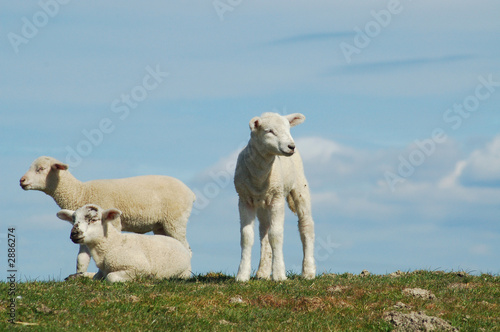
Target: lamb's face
x,y
87,225
42,172
91,223
273,132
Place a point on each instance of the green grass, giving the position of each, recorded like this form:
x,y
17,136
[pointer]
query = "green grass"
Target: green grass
x,y
215,302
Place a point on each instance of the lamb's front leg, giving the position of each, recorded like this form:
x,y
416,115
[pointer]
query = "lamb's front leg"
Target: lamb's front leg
x,y
276,216
83,259
266,253
247,220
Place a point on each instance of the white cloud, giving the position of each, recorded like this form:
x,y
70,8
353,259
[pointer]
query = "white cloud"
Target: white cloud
x,y
451,179
317,149
329,164
482,168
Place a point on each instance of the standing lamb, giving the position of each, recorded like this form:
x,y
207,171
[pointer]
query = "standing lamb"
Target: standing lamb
x,y
121,257
270,170
161,204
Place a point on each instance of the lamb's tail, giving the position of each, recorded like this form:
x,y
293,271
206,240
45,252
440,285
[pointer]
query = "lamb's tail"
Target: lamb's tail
x,y
291,203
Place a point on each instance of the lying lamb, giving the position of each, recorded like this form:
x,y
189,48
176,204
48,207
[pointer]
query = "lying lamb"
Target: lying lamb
x,y
161,204
122,257
270,170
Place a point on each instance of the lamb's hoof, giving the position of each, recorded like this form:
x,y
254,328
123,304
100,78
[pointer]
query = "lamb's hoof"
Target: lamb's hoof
x,y
279,277
309,271
240,278
308,276
89,275
263,275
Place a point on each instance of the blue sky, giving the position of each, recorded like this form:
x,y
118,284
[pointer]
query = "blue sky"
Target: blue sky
x,y
401,144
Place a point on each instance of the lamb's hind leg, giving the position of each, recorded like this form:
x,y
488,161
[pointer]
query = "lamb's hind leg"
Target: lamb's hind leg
x,y
266,254
120,276
175,228
302,201
247,220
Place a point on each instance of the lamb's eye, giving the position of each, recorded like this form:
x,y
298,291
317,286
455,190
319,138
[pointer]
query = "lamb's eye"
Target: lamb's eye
x,y
40,169
270,131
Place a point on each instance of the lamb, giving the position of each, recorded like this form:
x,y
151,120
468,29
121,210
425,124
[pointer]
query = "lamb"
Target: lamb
x,y
161,204
270,170
122,257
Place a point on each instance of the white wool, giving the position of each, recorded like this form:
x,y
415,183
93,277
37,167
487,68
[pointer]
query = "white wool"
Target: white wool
x,y
161,204
270,170
122,257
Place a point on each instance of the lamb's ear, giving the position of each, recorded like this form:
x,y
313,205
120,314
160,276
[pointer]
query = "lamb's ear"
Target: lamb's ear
x,y
295,119
255,123
110,218
110,215
66,215
59,166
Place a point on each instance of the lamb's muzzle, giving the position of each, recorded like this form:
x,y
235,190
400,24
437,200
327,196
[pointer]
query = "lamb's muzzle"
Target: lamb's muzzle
x,y
22,183
76,235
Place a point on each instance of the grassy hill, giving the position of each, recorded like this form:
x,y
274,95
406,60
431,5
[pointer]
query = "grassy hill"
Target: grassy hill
x,y
216,302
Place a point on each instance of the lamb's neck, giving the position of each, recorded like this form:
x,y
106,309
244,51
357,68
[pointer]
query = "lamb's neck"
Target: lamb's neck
x,y
68,192
259,164
98,250
100,247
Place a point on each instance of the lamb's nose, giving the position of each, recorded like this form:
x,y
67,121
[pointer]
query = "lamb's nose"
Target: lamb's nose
x,y
291,147
22,180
